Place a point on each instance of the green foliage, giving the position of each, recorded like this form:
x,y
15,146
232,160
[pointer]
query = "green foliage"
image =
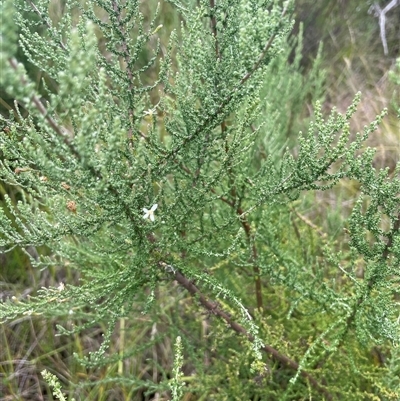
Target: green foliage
x,y
55,385
169,175
176,385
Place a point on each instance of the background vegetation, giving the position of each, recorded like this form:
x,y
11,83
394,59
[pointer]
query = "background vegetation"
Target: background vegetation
x,y
351,60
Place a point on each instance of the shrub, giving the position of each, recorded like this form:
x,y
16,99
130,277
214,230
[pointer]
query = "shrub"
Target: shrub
x,y
170,176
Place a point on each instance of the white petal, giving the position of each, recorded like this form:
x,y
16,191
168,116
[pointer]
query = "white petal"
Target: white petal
x,y
152,216
154,207
145,210
146,215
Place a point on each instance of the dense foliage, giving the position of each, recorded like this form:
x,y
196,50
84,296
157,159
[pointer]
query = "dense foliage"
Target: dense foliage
x,y
172,176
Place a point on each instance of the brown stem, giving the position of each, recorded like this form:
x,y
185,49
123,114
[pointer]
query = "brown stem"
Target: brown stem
x,y
250,237
256,269
39,105
216,310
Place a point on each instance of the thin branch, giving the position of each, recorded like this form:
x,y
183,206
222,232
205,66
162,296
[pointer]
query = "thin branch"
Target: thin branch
x,y
125,50
228,99
250,237
371,281
39,105
37,11
267,46
127,59
216,310
213,22
254,254
53,124
309,223
381,14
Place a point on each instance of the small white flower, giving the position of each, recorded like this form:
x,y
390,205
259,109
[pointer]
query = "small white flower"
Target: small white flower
x,y
150,213
150,112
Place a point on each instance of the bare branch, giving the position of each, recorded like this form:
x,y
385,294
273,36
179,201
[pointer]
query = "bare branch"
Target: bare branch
x,y
381,14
